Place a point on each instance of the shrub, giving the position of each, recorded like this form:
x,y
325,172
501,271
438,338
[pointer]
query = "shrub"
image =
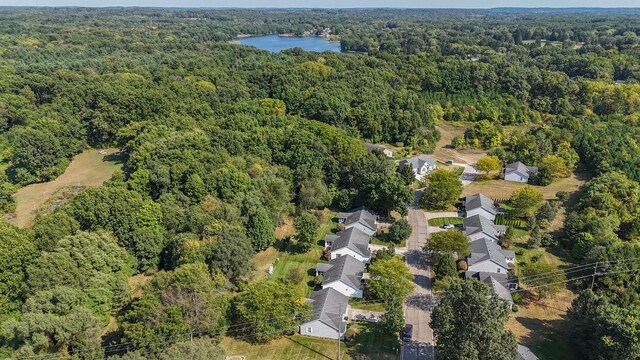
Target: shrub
x,y
514,308
517,297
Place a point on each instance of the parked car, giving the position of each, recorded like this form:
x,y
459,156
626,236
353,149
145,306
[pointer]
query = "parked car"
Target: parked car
x,y
408,333
448,226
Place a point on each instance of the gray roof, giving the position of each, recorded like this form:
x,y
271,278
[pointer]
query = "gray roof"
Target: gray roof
x,y
478,201
322,267
518,167
525,354
360,215
497,282
484,249
417,162
347,269
379,147
328,306
353,239
480,224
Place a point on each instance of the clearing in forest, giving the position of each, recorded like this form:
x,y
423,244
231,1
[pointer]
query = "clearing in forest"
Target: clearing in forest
x,y
90,168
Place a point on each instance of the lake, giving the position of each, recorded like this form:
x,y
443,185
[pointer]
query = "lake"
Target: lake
x,y
275,43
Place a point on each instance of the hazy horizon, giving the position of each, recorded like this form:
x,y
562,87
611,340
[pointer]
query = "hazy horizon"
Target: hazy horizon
x,y
331,4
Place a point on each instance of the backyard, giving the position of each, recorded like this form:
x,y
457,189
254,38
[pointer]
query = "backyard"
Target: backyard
x,y
500,189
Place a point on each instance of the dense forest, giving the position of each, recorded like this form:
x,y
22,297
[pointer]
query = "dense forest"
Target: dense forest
x,y
222,143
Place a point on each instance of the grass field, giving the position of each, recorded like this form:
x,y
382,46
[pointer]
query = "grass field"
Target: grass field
x,y
500,189
368,343
445,220
295,347
86,170
287,261
540,324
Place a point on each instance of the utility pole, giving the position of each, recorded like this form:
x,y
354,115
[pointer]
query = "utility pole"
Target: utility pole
x,y
593,278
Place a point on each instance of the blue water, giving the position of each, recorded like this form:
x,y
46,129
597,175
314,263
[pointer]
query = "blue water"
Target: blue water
x,y
275,43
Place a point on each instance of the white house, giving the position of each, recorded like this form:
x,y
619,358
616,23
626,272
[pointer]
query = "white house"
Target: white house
x,y
329,311
477,227
343,274
518,172
421,165
362,218
487,256
479,204
377,147
352,242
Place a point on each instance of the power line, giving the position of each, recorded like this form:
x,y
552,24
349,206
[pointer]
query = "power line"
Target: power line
x,y
573,269
212,332
577,278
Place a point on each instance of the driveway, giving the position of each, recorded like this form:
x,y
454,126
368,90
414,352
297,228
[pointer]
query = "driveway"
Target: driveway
x,y
364,315
469,174
418,306
399,250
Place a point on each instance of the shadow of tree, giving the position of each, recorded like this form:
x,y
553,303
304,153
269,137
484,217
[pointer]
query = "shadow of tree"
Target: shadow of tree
x,y
422,302
418,259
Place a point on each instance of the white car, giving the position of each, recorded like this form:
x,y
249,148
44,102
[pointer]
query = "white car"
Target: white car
x,y
448,226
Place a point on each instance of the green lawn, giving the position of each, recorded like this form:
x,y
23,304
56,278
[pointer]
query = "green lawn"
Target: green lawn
x,y
370,306
295,347
298,267
445,220
381,241
373,343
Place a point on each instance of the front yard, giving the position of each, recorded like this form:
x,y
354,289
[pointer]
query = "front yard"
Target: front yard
x,y
445,220
367,342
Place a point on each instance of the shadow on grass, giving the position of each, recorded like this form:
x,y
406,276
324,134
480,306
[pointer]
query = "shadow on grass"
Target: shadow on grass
x,y
370,342
117,157
310,349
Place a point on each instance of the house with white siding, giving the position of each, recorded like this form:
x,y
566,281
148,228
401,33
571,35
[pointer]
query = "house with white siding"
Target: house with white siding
x,y
343,274
329,311
480,204
362,218
421,166
519,172
378,147
352,242
488,256
477,227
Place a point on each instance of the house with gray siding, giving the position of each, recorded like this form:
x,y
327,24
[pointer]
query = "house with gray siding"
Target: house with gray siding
x,y
327,319
488,256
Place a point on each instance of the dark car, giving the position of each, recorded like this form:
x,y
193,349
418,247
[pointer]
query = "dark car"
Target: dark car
x,y
408,332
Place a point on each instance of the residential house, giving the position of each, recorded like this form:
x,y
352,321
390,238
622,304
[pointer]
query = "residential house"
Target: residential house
x,y
361,218
524,353
477,227
329,310
343,274
479,204
421,165
499,283
352,241
488,256
519,172
377,147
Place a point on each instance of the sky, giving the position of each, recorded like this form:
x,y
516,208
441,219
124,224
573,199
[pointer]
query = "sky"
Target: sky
x,y
329,3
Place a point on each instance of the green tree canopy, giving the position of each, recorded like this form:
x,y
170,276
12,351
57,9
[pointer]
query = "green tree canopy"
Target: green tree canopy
x,y
443,189
469,324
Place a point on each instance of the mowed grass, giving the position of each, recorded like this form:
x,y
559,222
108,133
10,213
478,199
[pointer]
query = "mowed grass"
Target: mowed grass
x,y
368,343
295,347
87,169
288,262
445,220
500,189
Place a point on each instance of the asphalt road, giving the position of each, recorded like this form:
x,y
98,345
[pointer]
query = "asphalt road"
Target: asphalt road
x,y
418,306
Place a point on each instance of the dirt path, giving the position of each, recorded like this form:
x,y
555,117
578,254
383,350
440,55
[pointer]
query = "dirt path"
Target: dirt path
x,y
89,168
444,151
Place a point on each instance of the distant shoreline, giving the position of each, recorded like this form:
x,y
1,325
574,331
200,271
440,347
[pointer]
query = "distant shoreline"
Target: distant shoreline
x,y
284,35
